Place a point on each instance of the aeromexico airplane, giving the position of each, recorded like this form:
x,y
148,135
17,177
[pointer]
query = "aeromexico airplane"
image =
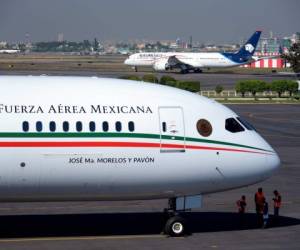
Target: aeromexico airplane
x,y
196,61
79,138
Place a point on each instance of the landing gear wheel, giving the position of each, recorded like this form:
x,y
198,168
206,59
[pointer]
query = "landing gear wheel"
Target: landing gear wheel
x,y
175,226
184,71
197,71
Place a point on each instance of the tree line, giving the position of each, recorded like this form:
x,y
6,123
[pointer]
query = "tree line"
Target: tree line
x,y
243,87
192,86
258,86
66,46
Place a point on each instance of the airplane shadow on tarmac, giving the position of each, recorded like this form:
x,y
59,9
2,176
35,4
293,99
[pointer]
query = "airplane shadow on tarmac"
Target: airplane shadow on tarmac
x,y
15,226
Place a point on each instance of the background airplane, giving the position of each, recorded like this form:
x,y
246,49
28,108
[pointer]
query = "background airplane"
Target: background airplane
x,y
195,62
9,51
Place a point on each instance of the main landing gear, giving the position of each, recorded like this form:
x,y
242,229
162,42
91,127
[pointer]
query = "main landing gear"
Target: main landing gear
x,y
175,225
184,71
197,70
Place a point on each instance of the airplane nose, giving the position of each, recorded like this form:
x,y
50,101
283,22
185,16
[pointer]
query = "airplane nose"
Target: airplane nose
x,y
270,166
273,162
272,158
126,61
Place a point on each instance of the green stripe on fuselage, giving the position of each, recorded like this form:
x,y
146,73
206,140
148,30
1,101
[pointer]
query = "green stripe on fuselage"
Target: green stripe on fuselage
x,y
118,135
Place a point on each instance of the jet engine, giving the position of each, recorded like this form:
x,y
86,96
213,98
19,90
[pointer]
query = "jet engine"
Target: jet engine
x,y
161,64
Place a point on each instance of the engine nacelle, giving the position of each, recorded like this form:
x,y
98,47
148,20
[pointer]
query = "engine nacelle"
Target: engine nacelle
x,y
161,64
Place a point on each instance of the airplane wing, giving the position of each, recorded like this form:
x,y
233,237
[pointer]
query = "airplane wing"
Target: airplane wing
x,y
174,62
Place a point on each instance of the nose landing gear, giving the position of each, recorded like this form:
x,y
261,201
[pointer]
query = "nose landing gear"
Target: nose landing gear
x,y
175,225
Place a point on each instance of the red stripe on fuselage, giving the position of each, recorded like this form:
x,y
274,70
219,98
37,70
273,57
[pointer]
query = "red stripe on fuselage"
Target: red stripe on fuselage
x,y
115,144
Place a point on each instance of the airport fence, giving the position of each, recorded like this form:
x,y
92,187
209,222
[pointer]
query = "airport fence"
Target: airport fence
x,y
233,93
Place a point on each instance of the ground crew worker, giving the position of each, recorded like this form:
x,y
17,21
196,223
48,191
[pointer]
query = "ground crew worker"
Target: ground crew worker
x,y
265,214
277,202
277,205
241,204
259,199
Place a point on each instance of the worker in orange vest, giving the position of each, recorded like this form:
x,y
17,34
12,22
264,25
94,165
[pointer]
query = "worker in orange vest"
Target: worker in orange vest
x,y
259,199
277,204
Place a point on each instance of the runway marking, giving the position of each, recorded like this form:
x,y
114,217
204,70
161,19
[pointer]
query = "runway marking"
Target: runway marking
x,y
283,136
82,238
274,119
261,116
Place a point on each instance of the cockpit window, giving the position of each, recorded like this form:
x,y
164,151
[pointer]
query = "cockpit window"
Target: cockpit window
x,y
246,124
233,126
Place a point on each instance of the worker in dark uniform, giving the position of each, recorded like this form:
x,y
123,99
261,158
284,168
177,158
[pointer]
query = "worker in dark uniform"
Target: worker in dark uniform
x,y
241,204
277,205
265,214
259,199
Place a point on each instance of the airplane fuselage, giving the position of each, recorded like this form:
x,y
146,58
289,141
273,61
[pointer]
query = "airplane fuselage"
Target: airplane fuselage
x,y
9,51
197,60
77,138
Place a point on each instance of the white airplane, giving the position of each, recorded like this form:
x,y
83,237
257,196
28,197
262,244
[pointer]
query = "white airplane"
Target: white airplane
x,y
196,61
9,51
79,138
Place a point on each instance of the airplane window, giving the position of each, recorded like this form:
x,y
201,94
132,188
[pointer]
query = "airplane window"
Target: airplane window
x,y
52,126
131,126
204,127
245,123
39,126
25,126
118,126
233,126
79,126
164,127
65,126
105,126
92,126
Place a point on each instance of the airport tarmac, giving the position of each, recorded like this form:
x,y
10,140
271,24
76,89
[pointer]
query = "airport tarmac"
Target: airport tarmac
x,y
137,224
208,80
112,66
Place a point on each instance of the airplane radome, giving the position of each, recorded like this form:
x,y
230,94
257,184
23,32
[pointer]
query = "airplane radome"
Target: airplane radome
x,y
79,138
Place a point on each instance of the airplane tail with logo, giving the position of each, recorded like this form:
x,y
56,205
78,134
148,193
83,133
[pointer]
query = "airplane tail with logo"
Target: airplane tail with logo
x,y
245,54
249,47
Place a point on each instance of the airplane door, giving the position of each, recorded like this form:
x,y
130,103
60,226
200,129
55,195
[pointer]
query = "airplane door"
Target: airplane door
x,y
172,133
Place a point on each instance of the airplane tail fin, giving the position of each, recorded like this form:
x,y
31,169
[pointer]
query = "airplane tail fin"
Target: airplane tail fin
x,y
249,47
